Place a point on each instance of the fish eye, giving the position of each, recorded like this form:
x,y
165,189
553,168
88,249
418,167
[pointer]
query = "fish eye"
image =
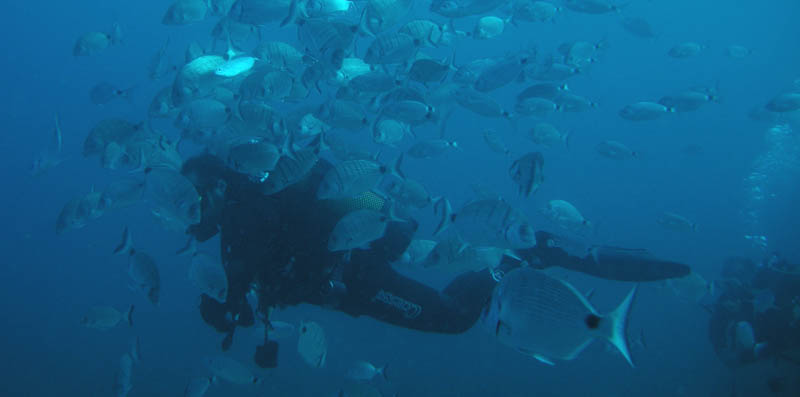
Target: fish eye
x,y
592,321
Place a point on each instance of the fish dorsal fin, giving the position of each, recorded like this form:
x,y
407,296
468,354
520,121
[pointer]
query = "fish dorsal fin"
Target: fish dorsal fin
x,y
580,296
126,245
57,134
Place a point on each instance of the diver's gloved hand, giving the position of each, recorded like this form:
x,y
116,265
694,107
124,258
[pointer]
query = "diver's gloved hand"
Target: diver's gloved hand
x,y
216,314
202,231
266,355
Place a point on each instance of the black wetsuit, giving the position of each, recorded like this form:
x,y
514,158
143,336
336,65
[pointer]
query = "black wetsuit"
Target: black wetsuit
x,y
279,244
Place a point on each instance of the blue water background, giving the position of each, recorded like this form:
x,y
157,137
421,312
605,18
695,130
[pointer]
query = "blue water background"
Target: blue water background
x,y
49,281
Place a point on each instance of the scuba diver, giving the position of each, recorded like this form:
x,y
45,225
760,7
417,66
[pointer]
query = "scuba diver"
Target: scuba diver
x,y
757,314
275,246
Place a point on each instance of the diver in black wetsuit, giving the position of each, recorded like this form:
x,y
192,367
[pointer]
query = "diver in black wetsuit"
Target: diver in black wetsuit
x,y
757,314
276,245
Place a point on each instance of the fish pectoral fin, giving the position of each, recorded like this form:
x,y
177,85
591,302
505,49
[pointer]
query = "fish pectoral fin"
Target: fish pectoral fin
x,y
543,359
537,356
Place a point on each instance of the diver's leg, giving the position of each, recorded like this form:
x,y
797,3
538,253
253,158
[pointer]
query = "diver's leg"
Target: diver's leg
x,y
612,263
385,295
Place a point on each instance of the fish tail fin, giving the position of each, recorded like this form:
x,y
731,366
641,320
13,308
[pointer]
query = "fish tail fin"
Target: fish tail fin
x,y
363,26
385,372
287,149
129,316
394,169
442,206
442,122
292,15
190,249
618,324
568,140
126,245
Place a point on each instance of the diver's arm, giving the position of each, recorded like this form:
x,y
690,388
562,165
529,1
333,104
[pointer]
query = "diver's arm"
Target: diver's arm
x,y
610,263
387,296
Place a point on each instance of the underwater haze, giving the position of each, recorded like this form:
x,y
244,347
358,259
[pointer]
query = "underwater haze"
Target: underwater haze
x,y
685,143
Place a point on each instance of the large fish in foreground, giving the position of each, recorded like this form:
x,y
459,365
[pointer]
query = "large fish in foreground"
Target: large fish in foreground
x,y
549,319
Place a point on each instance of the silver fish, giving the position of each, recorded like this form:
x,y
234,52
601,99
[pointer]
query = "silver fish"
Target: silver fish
x,y
358,229
429,71
534,11
106,317
50,156
343,114
236,66
159,66
254,158
279,55
374,81
786,102
689,100
123,192
387,131
231,370
565,215
456,257
290,170
569,102
417,251
136,349
548,319
542,90
527,173
638,27
480,103
487,222
391,48
463,8
535,106
197,387
175,197
208,275
409,111
93,43
103,93
184,12
495,142
430,148
205,115
312,344
409,192
502,72
615,150
489,27
594,7
364,371
644,111
686,50
123,379
352,177
548,135
143,273
675,222
381,15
